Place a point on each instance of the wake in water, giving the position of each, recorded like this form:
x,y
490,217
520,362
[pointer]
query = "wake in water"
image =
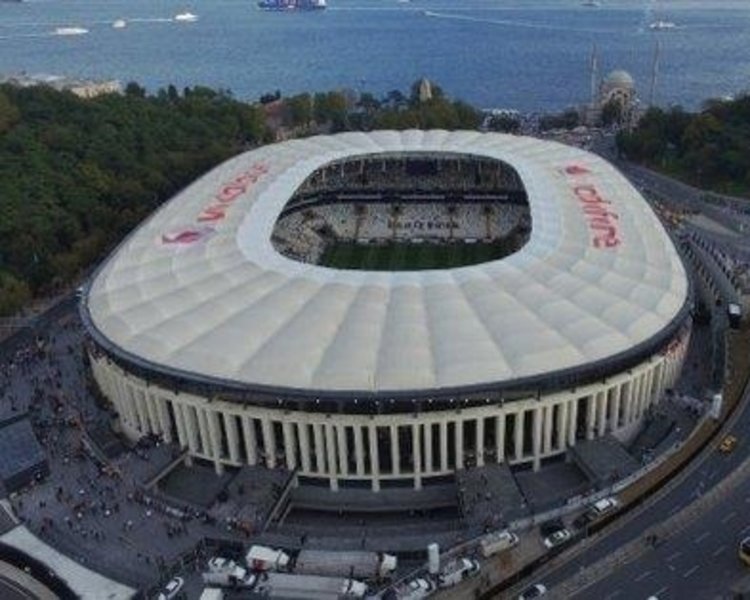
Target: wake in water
x,y
513,23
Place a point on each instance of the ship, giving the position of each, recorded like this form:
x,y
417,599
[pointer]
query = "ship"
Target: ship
x,y
291,5
71,31
662,25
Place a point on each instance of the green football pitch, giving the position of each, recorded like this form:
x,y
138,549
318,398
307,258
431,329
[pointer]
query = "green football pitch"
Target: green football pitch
x,y
404,256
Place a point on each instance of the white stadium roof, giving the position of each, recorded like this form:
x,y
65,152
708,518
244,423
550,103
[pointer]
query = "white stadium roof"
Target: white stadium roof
x,y
214,299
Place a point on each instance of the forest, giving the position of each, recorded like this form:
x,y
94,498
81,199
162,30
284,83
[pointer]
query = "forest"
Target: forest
x,y
708,148
76,175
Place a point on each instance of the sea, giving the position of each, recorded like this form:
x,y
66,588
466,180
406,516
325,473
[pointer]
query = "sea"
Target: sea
x,y
529,55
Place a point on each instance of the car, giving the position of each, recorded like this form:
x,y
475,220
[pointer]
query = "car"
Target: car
x,y
728,444
172,589
415,589
499,541
536,590
457,570
604,505
557,538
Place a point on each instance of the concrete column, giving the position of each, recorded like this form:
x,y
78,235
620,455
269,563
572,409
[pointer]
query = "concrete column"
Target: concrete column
x,y
590,416
443,445
269,442
233,441
650,376
359,450
459,444
289,453
374,458
562,425
320,456
153,421
429,465
214,433
480,441
343,458
203,430
500,437
637,397
518,434
537,437
166,425
192,426
416,444
395,450
304,446
331,456
601,400
143,426
251,442
614,418
548,413
572,421
182,436
127,402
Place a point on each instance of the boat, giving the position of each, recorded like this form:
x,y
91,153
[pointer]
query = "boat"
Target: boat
x,y
119,24
291,5
186,17
591,3
662,25
71,31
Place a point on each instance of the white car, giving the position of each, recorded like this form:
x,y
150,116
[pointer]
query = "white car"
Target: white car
x,y
457,570
415,589
604,506
172,588
492,543
557,538
536,590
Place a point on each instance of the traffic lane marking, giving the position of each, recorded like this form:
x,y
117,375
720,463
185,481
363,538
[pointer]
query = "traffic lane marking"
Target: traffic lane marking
x,y
690,571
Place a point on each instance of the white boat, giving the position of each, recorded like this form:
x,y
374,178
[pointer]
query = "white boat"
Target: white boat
x,y
186,17
662,25
71,31
119,24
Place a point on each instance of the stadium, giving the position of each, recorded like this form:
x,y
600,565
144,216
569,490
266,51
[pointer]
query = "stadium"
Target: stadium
x,y
387,308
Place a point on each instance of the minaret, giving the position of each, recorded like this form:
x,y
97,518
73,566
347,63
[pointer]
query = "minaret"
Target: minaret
x,y
594,76
654,73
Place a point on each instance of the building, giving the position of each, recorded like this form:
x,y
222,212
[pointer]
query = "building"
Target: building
x,y
617,88
83,88
205,333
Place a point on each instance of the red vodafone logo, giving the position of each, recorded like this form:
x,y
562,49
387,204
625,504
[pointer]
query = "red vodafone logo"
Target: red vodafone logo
x,y
215,210
187,236
602,221
576,170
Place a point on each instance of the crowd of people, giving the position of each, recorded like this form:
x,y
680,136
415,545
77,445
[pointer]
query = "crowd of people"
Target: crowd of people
x,y
304,234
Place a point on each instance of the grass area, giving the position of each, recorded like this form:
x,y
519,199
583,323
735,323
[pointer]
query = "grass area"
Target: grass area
x,y
404,256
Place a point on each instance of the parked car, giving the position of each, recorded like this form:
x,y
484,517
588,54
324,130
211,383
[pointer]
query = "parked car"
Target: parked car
x,y
603,506
492,543
172,589
536,590
456,571
415,589
557,538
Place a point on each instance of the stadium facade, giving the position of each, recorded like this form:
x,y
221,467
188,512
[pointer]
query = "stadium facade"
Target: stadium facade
x,y
213,327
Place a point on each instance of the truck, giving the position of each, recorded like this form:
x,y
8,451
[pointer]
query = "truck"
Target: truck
x,y
362,564
308,587
263,558
497,541
227,573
